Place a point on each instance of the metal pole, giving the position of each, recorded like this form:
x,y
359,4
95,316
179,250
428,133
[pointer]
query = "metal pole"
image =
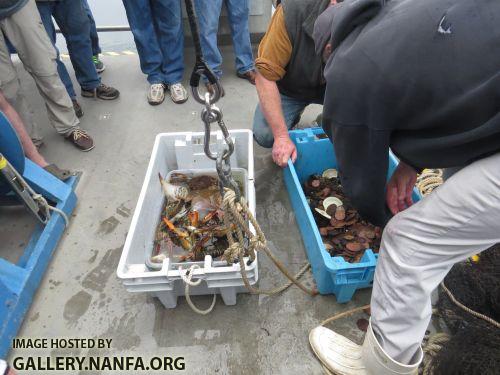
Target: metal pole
x,y
102,29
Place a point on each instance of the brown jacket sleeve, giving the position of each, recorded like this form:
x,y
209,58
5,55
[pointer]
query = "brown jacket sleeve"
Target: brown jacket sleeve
x,y
275,48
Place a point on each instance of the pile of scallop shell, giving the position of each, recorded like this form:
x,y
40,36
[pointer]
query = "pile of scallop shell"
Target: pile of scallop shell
x,y
342,229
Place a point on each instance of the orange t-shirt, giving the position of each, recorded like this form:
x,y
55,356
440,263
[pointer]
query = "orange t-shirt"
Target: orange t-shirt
x,y
275,48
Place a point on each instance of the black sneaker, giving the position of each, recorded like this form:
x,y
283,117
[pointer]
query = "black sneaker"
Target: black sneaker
x,y
102,92
78,108
99,65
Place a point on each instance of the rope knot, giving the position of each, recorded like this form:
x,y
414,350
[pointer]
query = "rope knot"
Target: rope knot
x,y
256,244
232,253
229,197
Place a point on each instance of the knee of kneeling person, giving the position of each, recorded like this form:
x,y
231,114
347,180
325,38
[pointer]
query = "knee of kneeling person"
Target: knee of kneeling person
x,y
264,139
261,132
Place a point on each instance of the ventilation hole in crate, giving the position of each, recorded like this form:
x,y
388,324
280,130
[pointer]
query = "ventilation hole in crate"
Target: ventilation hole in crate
x,y
197,140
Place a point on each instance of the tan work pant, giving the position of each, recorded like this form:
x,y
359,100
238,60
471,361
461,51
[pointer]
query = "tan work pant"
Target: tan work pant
x,y
25,31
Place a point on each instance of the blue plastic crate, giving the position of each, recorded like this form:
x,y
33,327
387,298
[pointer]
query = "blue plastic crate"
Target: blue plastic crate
x,y
333,275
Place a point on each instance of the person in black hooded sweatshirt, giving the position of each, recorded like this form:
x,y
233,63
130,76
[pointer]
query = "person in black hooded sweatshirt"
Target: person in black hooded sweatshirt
x,y
421,78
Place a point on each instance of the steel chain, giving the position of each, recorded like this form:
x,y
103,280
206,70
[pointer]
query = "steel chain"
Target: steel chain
x,y
211,114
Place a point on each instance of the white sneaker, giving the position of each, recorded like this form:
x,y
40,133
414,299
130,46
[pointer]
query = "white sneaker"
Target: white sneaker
x,y
178,93
156,94
341,356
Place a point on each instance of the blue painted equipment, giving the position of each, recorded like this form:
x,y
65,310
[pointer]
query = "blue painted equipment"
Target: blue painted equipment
x,y
11,148
18,282
333,275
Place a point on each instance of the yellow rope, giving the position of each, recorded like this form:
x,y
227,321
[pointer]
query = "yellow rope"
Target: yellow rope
x,y
428,180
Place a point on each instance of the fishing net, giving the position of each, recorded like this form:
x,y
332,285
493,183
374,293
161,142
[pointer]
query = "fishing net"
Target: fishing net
x,y
474,346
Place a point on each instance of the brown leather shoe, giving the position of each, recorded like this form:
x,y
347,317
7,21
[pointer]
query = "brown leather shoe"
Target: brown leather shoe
x,y
249,76
81,140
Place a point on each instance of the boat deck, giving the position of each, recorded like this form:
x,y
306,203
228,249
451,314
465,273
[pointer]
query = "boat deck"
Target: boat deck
x,y
80,295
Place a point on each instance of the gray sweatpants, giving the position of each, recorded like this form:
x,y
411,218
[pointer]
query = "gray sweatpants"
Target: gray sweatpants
x,y
26,32
420,245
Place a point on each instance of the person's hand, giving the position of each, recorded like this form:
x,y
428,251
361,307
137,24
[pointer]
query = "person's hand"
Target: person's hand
x,y
284,149
400,188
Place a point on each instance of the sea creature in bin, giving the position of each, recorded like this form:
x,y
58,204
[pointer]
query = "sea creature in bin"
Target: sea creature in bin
x,y
343,230
173,192
192,220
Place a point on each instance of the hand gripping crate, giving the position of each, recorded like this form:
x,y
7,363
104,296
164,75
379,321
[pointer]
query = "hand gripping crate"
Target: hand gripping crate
x,y
184,151
333,275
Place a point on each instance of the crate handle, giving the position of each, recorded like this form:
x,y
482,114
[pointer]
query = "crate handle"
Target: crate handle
x,y
187,277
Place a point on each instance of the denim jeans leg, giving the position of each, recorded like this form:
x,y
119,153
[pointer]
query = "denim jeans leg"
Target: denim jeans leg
x,y
238,12
75,26
94,37
167,20
208,12
45,9
292,110
140,19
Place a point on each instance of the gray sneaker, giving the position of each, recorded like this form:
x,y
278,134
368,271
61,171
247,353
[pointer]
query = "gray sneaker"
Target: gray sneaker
x,y
156,94
178,93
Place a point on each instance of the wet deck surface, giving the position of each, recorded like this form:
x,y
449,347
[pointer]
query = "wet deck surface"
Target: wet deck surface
x,y
80,295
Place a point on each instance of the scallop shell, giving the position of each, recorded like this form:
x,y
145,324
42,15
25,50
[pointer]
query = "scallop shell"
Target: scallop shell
x,y
323,213
330,173
332,200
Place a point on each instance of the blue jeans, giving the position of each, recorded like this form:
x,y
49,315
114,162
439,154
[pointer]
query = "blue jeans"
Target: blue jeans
x,y
157,29
292,110
74,24
94,37
208,12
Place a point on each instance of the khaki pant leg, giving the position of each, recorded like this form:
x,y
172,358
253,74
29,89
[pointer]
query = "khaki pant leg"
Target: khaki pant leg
x,y
27,33
11,89
420,245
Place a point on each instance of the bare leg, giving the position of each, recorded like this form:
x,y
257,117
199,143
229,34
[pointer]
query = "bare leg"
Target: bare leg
x,y
30,150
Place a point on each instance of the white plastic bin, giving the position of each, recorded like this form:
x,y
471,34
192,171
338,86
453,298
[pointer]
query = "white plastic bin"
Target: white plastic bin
x,y
173,151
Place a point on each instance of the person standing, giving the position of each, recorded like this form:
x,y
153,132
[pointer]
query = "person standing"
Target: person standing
x,y
74,23
20,22
157,29
437,109
208,13
94,38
